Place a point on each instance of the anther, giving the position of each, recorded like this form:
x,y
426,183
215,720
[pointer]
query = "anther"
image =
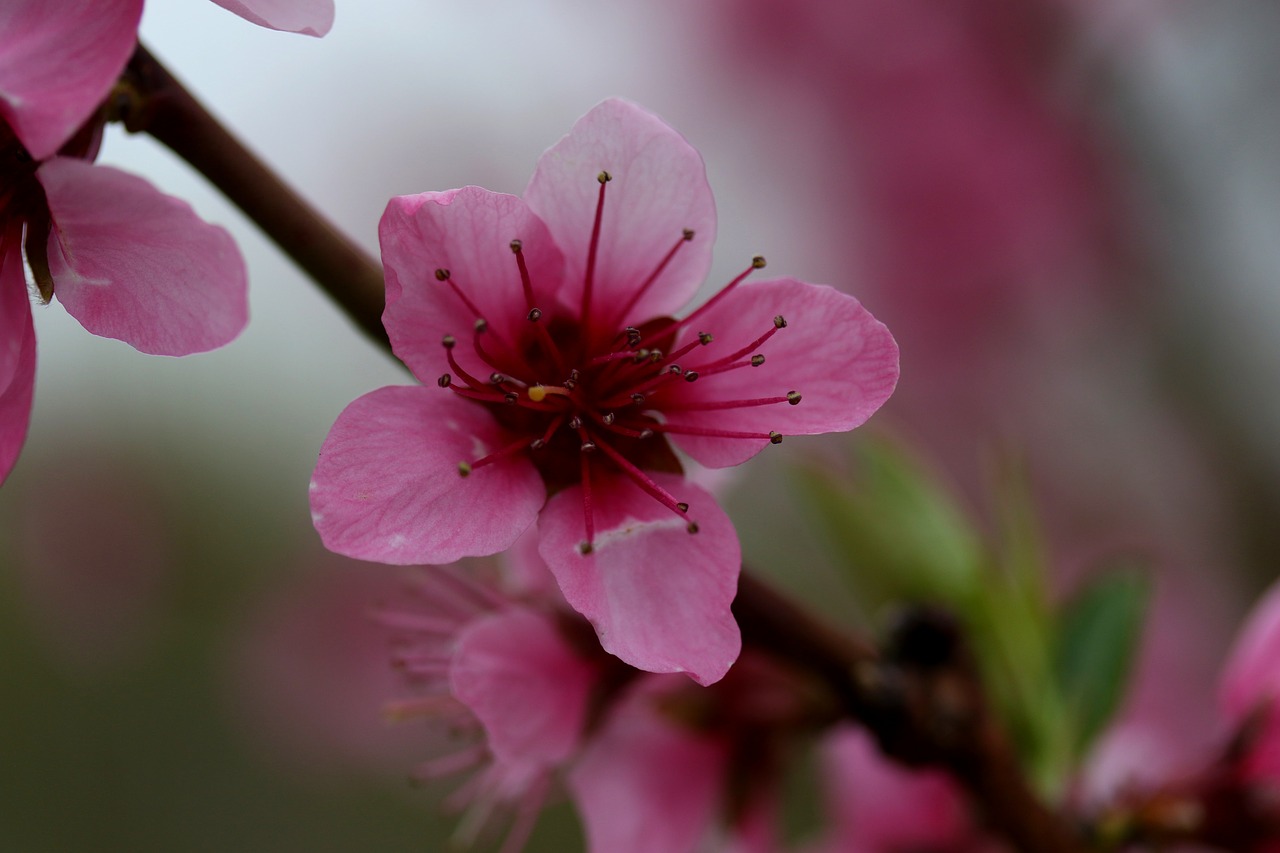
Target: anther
x,y
442,275
687,233
497,378
535,314
574,375
692,527
775,438
682,506
481,326
588,447
604,177
448,341
608,418
637,397
780,322
633,336
537,393
585,548
758,262
569,385
645,433
691,376
793,398
464,469
511,397
674,368
655,355
537,444
445,381
705,338
516,246
757,360
575,423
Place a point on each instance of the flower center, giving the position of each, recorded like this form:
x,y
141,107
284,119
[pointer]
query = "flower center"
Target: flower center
x,y
591,392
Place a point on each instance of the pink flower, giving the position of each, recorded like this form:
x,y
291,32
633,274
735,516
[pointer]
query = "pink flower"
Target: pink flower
x,y
125,260
309,17
507,673
562,372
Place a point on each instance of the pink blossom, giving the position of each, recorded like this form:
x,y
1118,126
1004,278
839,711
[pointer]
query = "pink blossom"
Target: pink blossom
x,y
507,673
562,372
309,17
125,260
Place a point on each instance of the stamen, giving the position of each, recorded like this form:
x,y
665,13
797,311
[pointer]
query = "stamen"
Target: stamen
x,y
689,429
465,468
526,282
685,236
444,381
778,323
588,514
642,480
449,342
757,263
702,341
715,405
604,178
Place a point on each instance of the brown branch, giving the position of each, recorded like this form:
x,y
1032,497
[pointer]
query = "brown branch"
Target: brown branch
x,y
922,700
151,100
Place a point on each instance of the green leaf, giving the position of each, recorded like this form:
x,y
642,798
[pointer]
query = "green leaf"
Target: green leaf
x,y
899,533
1098,633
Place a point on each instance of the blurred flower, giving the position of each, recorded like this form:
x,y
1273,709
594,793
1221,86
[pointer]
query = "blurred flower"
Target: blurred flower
x,y
1250,688
309,17
574,380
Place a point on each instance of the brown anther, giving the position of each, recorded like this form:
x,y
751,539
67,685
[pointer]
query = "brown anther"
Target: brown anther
x,y
481,326
608,418
691,376
758,262
442,275
464,469
757,360
516,246
774,437
585,548
692,527
588,447
655,355
637,397
511,397
445,381
687,233
449,341
674,368
793,398
574,375
633,336
535,314
705,338
780,322
569,385
497,378
575,423
645,433
682,506
537,444
604,177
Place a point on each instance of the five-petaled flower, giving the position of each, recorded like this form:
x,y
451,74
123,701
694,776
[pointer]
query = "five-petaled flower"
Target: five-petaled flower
x,y
542,328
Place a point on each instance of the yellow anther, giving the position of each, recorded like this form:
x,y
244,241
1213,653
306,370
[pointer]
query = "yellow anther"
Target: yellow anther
x,y
537,393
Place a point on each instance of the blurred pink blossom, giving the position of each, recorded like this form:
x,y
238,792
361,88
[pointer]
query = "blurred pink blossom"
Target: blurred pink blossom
x,y
1250,687
568,376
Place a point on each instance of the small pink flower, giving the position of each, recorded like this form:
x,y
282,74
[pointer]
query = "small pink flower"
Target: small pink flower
x,y
542,328
1250,688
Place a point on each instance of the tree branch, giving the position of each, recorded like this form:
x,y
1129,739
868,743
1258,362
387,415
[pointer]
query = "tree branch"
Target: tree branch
x,y
151,100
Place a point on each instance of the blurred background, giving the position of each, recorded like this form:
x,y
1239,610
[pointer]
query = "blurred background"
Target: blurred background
x,y
1067,214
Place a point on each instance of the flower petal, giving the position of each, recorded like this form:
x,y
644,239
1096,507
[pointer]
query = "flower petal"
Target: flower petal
x,y
659,188
134,264
657,595
57,63
386,486
309,17
842,361
644,784
1251,683
17,354
468,232
525,683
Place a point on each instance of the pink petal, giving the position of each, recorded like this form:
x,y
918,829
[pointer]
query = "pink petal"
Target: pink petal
x,y
525,683
57,63
17,353
1251,682
878,805
134,264
387,488
646,785
659,187
468,232
657,595
309,17
842,361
